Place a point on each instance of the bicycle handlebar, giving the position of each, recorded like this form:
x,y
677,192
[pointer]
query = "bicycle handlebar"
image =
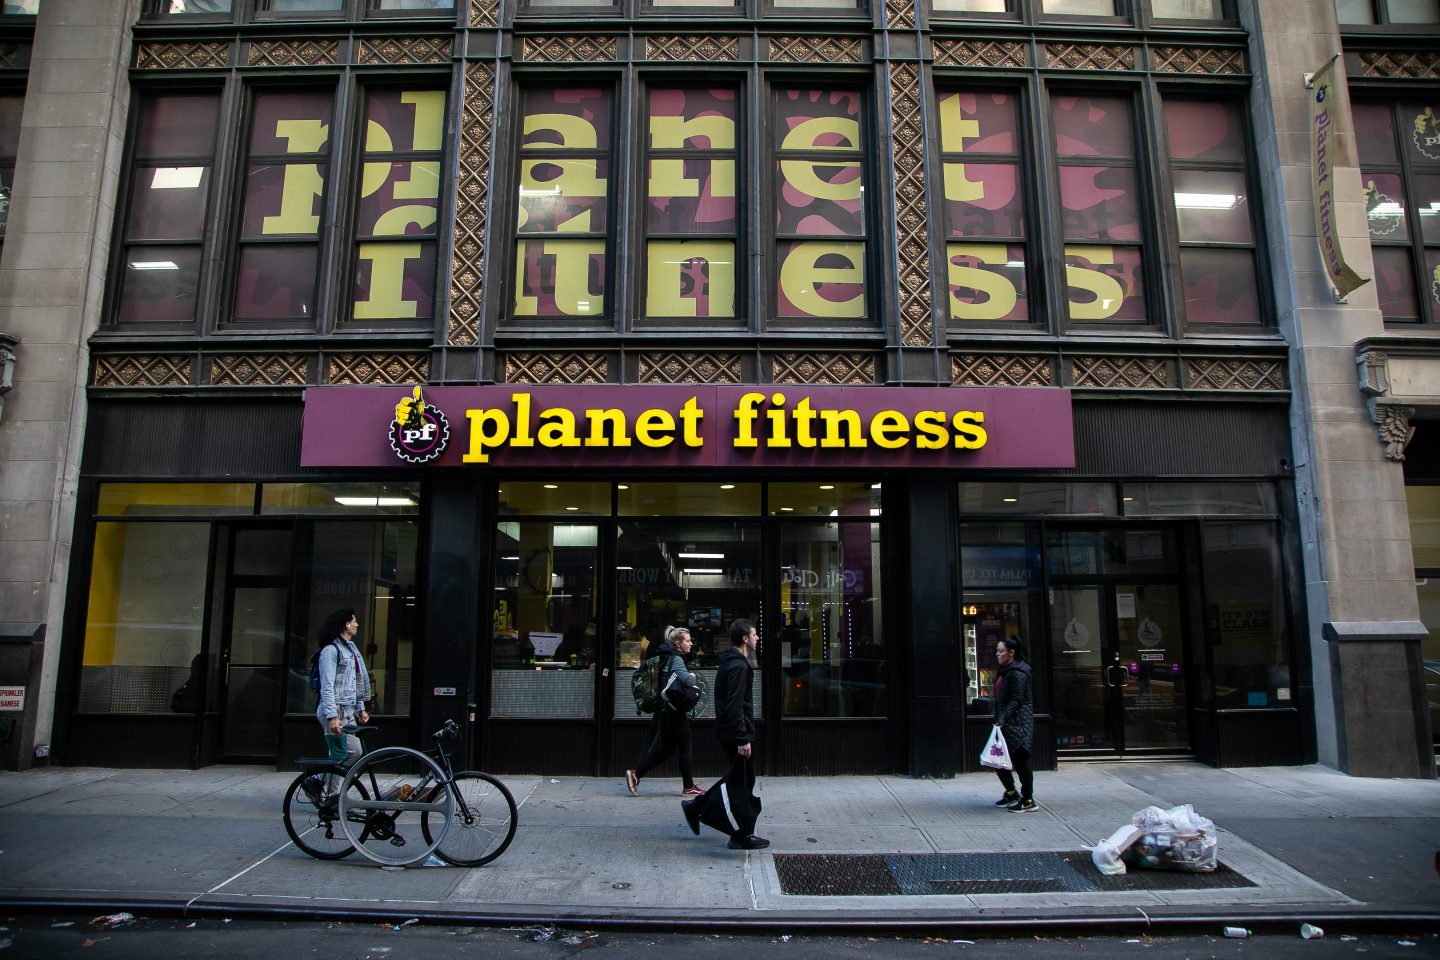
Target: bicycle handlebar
x,y
449,731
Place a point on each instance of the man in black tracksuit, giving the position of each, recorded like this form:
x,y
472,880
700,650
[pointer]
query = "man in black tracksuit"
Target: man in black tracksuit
x,y
731,805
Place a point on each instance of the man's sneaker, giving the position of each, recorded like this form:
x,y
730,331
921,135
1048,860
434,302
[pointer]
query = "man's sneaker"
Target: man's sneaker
x,y
1024,806
1011,796
314,787
691,809
632,783
751,842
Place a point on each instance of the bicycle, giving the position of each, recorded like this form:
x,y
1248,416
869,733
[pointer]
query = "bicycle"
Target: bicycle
x,y
468,818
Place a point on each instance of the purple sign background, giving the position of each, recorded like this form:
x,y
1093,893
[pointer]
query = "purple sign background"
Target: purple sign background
x,y
1026,427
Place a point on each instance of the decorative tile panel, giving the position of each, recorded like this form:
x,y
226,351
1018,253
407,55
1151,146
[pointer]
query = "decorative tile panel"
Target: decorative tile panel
x,y
1400,64
692,49
1235,374
815,50
14,56
1000,370
1211,60
900,14
467,264
260,370
567,49
404,50
175,56
1128,373
141,371
980,53
484,13
690,368
386,368
911,219
844,369
293,53
1090,56
556,368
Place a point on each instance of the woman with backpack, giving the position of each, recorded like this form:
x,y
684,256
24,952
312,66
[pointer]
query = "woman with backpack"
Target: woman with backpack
x,y
679,690
344,684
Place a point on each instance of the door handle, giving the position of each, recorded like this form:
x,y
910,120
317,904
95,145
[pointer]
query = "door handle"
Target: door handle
x,y
1110,680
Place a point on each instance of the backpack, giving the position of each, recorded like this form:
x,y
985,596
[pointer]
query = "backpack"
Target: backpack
x,y
645,686
315,667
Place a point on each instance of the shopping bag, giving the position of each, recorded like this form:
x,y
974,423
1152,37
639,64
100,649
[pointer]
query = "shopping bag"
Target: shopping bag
x,y
996,754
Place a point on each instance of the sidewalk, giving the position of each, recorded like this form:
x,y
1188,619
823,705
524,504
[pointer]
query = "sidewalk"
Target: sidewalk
x,y
1314,844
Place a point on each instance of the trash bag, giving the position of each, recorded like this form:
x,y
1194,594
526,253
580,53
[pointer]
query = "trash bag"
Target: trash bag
x,y
1174,839
1107,853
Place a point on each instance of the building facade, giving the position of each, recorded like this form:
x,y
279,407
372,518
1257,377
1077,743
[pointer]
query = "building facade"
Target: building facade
x,y
527,330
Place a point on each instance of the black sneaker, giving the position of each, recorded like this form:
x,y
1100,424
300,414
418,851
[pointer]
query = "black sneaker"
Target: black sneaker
x,y
1011,796
314,787
691,809
751,842
1024,806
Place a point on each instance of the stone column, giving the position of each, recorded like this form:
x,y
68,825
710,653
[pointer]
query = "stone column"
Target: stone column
x,y
1363,615
52,279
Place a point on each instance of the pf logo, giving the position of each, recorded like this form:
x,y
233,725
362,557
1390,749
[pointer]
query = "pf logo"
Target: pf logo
x,y
419,432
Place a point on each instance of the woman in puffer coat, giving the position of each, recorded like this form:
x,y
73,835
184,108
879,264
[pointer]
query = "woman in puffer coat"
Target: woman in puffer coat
x,y
1015,717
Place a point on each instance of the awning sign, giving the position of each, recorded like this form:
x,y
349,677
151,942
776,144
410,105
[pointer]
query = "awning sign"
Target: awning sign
x,y
1323,110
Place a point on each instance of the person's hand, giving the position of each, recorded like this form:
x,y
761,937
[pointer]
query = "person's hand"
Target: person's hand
x,y
334,724
743,750
364,717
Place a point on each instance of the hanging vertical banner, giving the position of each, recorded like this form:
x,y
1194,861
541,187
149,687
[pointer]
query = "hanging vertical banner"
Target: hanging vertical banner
x,y
1322,138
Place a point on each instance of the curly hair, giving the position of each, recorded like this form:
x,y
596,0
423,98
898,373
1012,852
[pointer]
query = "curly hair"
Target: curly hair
x,y
332,625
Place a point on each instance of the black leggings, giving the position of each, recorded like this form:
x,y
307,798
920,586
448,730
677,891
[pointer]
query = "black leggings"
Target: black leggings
x,y
1020,758
669,733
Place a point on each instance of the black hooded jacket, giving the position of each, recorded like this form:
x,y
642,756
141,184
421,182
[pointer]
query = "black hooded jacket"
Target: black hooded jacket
x,y
734,706
1015,705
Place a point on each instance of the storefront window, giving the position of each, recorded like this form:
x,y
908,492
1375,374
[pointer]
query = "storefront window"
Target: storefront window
x,y
688,499
555,499
171,499
339,497
832,638
145,616
1114,551
699,575
1055,499
1197,499
822,499
545,634
1247,608
1000,578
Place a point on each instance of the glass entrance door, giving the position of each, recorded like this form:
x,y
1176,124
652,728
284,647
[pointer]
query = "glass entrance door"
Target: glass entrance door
x,y
1117,654
253,646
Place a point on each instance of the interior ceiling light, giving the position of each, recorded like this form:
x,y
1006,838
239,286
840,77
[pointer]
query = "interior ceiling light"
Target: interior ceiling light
x,y
827,486
1206,201
702,570
552,486
375,501
723,486
701,556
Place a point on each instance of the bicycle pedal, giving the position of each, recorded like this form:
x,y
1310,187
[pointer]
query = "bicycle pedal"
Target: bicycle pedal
x,y
397,841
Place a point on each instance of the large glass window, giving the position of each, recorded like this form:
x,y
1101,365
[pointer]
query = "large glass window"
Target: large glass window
x,y
1000,580
283,208
1247,608
1212,211
819,197
1363,12
691,219
560,259
1399,147
545,630
164,229
1058,498
984,186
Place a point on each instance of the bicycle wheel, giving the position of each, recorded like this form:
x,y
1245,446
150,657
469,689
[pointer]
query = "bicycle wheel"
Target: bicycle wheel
x,y
312,818
384,823
483,824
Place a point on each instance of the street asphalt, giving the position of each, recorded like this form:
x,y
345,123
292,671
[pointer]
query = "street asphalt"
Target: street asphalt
x,y
1300,844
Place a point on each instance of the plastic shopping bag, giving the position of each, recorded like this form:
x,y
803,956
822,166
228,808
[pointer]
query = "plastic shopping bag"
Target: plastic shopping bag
x,y
996,754
1107,853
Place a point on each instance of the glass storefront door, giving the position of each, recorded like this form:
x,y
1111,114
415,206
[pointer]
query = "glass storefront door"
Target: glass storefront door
x,y
253,650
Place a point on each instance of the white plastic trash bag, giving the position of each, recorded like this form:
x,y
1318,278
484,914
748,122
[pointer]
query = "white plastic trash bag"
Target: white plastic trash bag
x,y
1107,852
996,754
1175,839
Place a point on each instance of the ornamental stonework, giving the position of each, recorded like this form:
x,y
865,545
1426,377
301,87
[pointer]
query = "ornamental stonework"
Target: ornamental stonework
x,y
1201,60
912,266
567,49
1400,64
181,56
1205,373
900,14
141,370
1001,370
377,368
484,13
980,53
839,369
1122,373
690,368
260,370
692,49
400,50
815,50
472,186
293,53
568,368
1090,56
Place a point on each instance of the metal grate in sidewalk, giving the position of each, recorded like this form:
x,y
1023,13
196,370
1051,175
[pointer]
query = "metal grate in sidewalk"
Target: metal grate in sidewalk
x,y
938,874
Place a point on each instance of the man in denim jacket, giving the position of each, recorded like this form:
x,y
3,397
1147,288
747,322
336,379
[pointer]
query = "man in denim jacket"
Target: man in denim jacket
x,y
344,684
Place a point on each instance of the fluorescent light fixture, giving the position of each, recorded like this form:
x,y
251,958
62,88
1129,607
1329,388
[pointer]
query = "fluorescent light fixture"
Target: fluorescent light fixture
x,y
701,556
511,558
874,486
552,486
622,486
545,192
572,508
834,513
787,509
375,501
624,568
1015,264
874,511
1206,201
1388,209
723,486
176,178
827,486
154,265
694,570
1009,499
